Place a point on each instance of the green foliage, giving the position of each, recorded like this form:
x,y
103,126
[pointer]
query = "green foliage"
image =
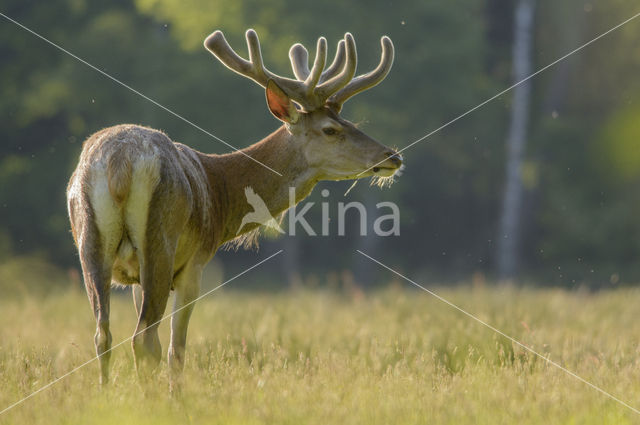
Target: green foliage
x,y
617,148
581,169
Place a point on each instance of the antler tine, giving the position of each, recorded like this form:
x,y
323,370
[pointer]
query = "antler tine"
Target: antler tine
x,y
337,82
368,80
318,66
336,65
294,88
255,55
312,88
254,68
218,45
299,58
299,91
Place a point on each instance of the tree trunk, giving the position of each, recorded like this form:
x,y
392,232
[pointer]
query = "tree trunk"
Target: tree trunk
x,y
510,224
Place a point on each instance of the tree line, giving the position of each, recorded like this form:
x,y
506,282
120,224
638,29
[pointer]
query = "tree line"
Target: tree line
x,y
579,172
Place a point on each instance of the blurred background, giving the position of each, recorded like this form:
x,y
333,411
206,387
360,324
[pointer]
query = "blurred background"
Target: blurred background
x,y
541,185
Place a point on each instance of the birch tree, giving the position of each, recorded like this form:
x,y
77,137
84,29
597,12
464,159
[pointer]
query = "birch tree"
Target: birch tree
x,y
510,223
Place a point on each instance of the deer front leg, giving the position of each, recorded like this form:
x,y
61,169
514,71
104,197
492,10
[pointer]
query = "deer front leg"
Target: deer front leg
x,y
187,289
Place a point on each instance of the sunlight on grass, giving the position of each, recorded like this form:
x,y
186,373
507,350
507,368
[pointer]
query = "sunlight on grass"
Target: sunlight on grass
x,y
313,356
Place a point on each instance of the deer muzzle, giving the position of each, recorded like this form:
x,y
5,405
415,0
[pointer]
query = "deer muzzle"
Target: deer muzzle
x,y
391,164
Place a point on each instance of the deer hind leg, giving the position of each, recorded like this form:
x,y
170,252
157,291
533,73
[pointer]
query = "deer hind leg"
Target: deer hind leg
x,y
96,269
136,291
187,289
97,280
155,279
156,256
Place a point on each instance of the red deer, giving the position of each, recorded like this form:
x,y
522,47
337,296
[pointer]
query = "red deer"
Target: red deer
x,y
149,212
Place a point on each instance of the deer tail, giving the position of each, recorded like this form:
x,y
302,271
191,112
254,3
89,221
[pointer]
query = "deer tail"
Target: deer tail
x,y
119,172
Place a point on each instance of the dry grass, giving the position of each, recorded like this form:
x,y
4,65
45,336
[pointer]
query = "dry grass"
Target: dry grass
x,y
320,357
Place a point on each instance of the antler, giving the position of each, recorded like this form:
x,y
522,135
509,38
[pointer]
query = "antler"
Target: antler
x,y
368,80
313,88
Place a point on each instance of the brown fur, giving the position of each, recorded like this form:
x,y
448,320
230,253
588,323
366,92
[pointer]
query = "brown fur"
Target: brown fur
x,y
145,210
148,212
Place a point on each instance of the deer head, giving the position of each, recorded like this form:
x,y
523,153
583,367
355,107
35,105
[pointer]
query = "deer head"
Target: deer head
x,y
309,105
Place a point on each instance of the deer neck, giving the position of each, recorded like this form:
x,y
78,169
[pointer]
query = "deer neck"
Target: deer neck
x,y
230,174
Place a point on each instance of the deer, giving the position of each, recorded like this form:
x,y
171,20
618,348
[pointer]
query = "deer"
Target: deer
x,y
149,212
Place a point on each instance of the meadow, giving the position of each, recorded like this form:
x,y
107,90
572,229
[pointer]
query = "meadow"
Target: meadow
x,y
334,356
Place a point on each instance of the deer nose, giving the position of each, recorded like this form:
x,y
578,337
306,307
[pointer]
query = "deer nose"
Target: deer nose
x,y
395,158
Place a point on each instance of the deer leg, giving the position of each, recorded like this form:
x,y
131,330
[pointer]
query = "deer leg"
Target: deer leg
x,y
187,289
155,279
136,291
97,281
156,274
156,243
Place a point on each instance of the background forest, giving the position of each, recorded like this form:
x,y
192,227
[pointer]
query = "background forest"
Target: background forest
x,y
580,172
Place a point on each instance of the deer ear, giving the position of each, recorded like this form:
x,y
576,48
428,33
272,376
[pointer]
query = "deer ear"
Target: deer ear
x,y
280,105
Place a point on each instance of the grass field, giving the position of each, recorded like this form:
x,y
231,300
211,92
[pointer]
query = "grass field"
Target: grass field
x,y
311,356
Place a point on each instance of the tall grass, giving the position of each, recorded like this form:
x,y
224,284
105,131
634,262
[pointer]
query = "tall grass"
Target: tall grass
x,y
394,356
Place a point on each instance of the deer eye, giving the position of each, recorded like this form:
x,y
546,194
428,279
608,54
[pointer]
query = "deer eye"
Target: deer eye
x,y
330,131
